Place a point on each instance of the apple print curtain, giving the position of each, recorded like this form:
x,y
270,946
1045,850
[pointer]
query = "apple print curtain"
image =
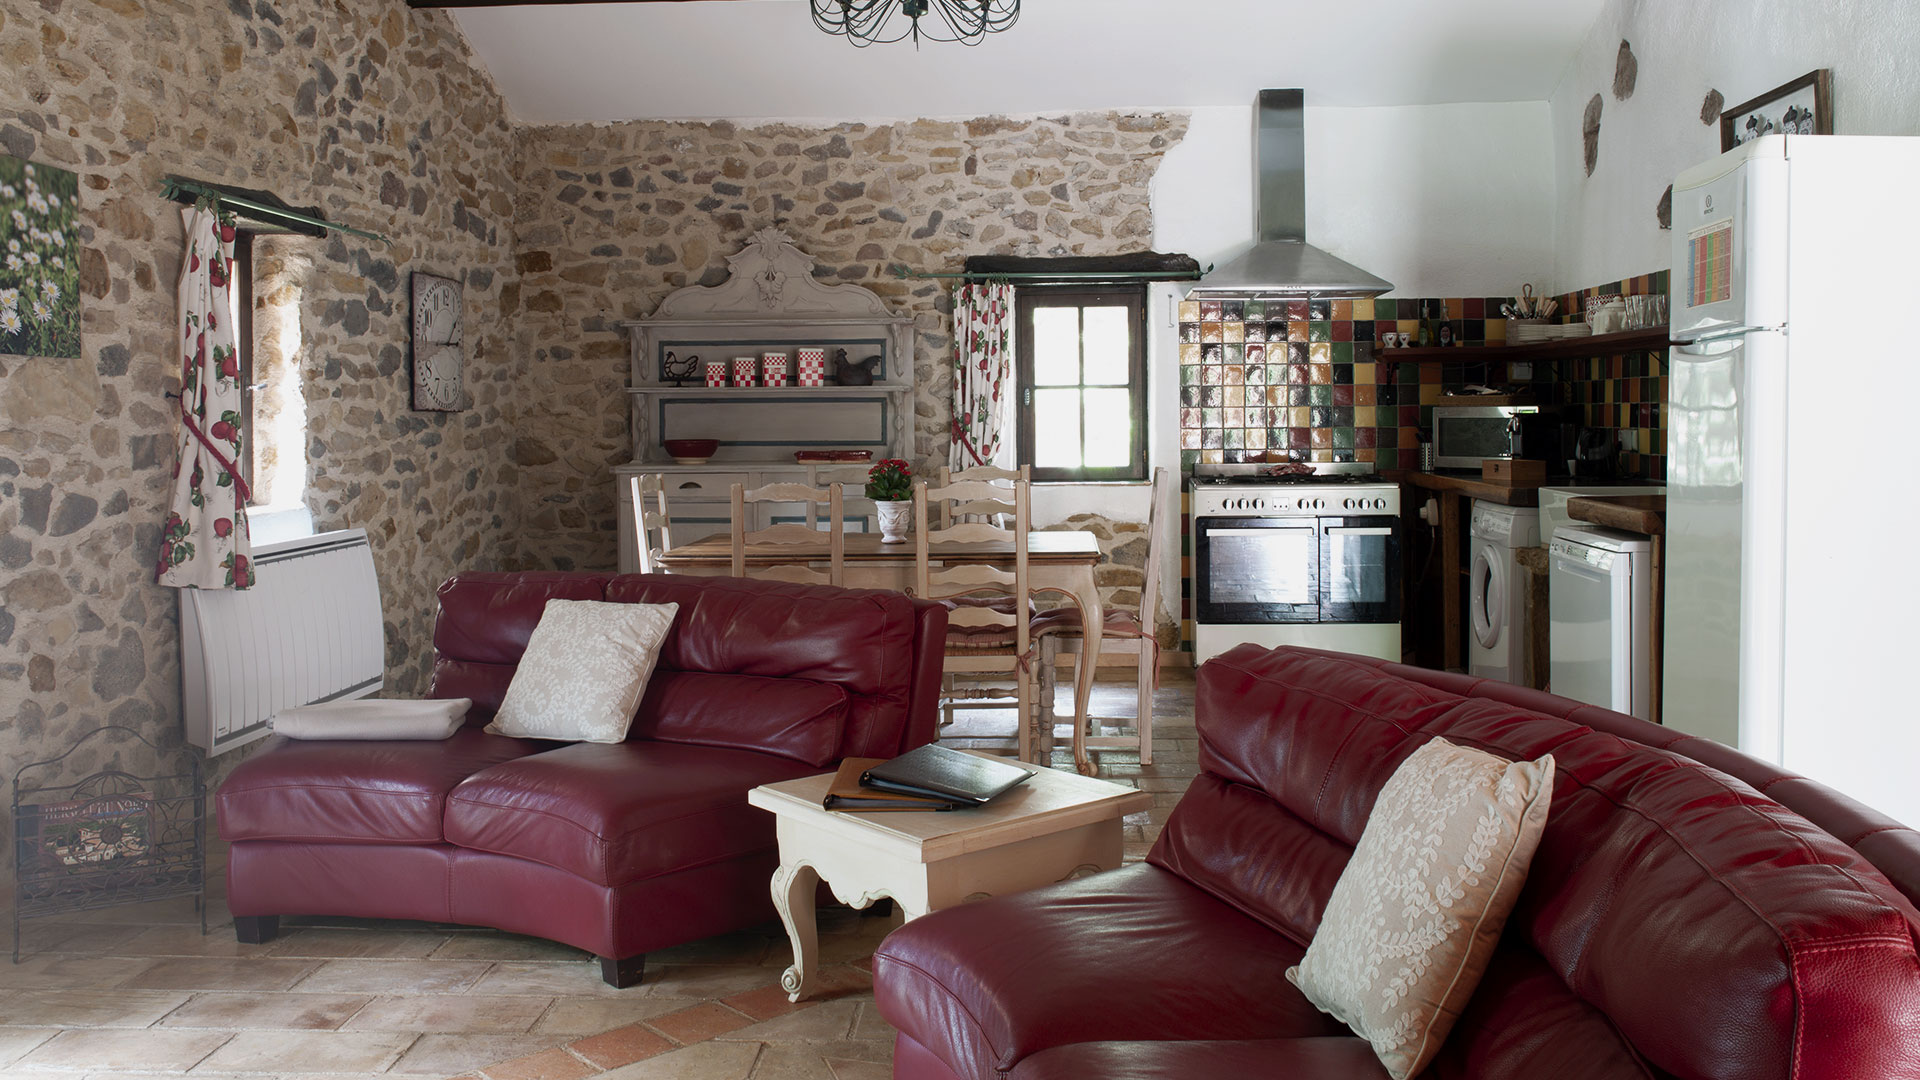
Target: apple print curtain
x,y
204,544
982,369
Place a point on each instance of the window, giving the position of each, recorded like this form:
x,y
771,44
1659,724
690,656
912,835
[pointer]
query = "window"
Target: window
x,y
1082,369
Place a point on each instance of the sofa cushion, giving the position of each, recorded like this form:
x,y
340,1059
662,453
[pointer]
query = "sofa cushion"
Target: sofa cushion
x,y
1134,953
1719,932
583,671
617,813
355,791
1414,917
796,718
1335,1057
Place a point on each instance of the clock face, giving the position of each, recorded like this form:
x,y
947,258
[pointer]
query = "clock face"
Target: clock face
x,y
439,356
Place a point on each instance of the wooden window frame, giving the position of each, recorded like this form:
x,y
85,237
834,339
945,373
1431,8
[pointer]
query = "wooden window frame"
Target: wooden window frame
x,y
1132,296
242,289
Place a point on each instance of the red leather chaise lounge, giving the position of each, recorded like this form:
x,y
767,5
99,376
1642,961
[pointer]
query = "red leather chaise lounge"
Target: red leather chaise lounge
x,y
1690,912
616,849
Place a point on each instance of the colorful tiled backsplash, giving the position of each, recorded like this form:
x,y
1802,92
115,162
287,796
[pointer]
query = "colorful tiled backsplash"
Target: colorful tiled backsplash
x,y
1305,380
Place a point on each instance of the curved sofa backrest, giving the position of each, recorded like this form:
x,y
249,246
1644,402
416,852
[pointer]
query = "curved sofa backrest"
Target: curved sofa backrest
x,y
862,641
1717,931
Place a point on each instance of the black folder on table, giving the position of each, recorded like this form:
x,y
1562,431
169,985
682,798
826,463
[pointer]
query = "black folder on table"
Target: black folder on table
x,y
942,773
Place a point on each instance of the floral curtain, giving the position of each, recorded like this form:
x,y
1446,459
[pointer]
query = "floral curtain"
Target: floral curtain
x,y
982,370
204,544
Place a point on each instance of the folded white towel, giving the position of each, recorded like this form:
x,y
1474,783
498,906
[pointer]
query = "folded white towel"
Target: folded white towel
x,y
373,718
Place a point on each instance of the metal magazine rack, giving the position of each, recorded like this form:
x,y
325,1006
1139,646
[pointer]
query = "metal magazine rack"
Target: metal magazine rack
x,y
108,839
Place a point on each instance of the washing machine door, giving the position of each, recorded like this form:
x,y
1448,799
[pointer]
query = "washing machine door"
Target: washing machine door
x,y
1489,595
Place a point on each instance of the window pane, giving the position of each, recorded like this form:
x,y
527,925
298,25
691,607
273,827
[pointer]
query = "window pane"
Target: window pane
x,y
1056,346
1106,344
1056,429
1109,429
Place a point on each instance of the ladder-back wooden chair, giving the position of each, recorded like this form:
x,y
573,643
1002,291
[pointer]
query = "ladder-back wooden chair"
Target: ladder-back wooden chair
x,y
988,630
995,510
1062,631
650,520
831,535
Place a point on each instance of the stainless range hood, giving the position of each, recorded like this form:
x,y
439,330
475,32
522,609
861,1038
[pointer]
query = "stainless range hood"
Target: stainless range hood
x,y
1283,263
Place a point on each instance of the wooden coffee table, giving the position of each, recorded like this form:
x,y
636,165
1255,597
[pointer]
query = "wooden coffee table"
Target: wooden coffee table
x,y
1055,826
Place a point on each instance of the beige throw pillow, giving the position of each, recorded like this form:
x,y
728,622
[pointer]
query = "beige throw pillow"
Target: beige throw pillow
x,y
1415,915
583,672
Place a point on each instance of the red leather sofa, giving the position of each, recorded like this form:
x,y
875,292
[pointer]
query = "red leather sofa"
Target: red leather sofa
x,y
1691,912
616,849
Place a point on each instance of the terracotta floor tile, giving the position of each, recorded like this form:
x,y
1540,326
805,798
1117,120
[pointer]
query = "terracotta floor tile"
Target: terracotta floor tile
x,y
56,971
349,943
764,1003
621,1046
176,941
698,1023
703,1061
443,1055
88,1008
309,1052
258,973
284,1012
580,979
495,946
860,1070
15,1042
705,981
546,1065
109,1048
578,1016
393,976
809,1023
451,1014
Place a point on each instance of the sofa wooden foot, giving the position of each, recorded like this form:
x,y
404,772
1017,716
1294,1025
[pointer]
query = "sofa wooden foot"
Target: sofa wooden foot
x,y
256,929
623,973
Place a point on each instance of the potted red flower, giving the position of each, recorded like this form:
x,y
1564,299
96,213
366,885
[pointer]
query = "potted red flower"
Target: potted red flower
x,y
890,486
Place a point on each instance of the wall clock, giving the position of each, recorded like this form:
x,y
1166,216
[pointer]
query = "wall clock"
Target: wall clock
x,y
439,351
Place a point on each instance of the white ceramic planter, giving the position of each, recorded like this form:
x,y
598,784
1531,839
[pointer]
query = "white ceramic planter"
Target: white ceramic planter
x,y
896,517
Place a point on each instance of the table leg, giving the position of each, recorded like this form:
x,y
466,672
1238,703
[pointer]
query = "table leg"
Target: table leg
x,y
794,891
1087,592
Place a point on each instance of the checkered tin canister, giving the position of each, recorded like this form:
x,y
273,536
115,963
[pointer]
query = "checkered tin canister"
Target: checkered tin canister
x,y
745,370
773,369
716,373
812,366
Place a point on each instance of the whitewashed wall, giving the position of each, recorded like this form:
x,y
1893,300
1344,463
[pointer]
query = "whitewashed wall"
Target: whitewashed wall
x,y
1605,226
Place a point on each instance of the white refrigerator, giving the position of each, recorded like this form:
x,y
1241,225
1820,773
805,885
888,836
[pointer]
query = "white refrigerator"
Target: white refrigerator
x,y
1793,584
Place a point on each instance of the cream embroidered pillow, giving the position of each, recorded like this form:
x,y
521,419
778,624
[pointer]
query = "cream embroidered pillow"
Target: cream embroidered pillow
x,y
585,667
1414,917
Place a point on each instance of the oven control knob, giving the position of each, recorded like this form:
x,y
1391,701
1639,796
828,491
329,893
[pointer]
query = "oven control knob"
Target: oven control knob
x,y
1304,504
1347,505
1257,504
1319,504
1379,504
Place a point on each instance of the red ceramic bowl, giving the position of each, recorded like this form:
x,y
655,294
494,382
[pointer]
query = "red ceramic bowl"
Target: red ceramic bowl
x,y
690,451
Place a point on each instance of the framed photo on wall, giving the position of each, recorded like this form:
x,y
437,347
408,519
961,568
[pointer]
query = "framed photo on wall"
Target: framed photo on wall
x,y
1801,107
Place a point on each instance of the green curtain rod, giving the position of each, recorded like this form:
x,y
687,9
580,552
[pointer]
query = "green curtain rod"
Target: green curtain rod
x,y
169,188
1078,275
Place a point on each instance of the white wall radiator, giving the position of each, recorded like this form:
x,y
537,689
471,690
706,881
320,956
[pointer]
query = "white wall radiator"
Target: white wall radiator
x,y
310,629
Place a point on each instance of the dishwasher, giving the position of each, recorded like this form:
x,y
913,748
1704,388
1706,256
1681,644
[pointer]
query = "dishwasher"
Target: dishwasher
x,y
1600,590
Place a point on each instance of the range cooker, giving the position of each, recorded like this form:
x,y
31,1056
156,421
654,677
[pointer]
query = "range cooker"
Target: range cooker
x,y
1295,559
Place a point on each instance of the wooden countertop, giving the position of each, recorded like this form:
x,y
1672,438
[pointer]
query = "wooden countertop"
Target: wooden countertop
x,y
1467,484
1645,514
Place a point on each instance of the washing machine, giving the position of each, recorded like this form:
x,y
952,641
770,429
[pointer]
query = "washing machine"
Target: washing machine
x,y
1498,594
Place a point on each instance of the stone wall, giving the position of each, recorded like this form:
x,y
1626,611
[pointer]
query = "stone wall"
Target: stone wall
x,y
377,114
610,219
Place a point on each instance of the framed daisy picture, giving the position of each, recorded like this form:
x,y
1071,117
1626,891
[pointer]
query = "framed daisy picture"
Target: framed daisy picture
x,y
39,260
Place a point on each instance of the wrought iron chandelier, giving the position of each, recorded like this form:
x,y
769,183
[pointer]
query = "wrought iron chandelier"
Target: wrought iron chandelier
x,y
869,22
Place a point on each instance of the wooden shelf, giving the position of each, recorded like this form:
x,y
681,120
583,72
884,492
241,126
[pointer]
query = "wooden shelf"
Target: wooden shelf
x,y
1562,349
767,391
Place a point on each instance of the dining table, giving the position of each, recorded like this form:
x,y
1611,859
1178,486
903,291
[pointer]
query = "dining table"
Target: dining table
x,y
1058,560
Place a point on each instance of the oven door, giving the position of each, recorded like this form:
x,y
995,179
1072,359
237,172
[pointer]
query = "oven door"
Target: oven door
x,y
1359,569
1256,570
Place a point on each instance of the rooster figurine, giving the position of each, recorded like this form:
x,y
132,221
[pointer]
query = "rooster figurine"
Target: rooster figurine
x,y
853,372
679,370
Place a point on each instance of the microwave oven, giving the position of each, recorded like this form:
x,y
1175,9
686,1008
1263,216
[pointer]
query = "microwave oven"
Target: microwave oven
x,y
1466,435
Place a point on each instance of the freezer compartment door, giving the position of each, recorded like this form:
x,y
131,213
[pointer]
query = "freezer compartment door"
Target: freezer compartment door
x,y
1729,242
1591,628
